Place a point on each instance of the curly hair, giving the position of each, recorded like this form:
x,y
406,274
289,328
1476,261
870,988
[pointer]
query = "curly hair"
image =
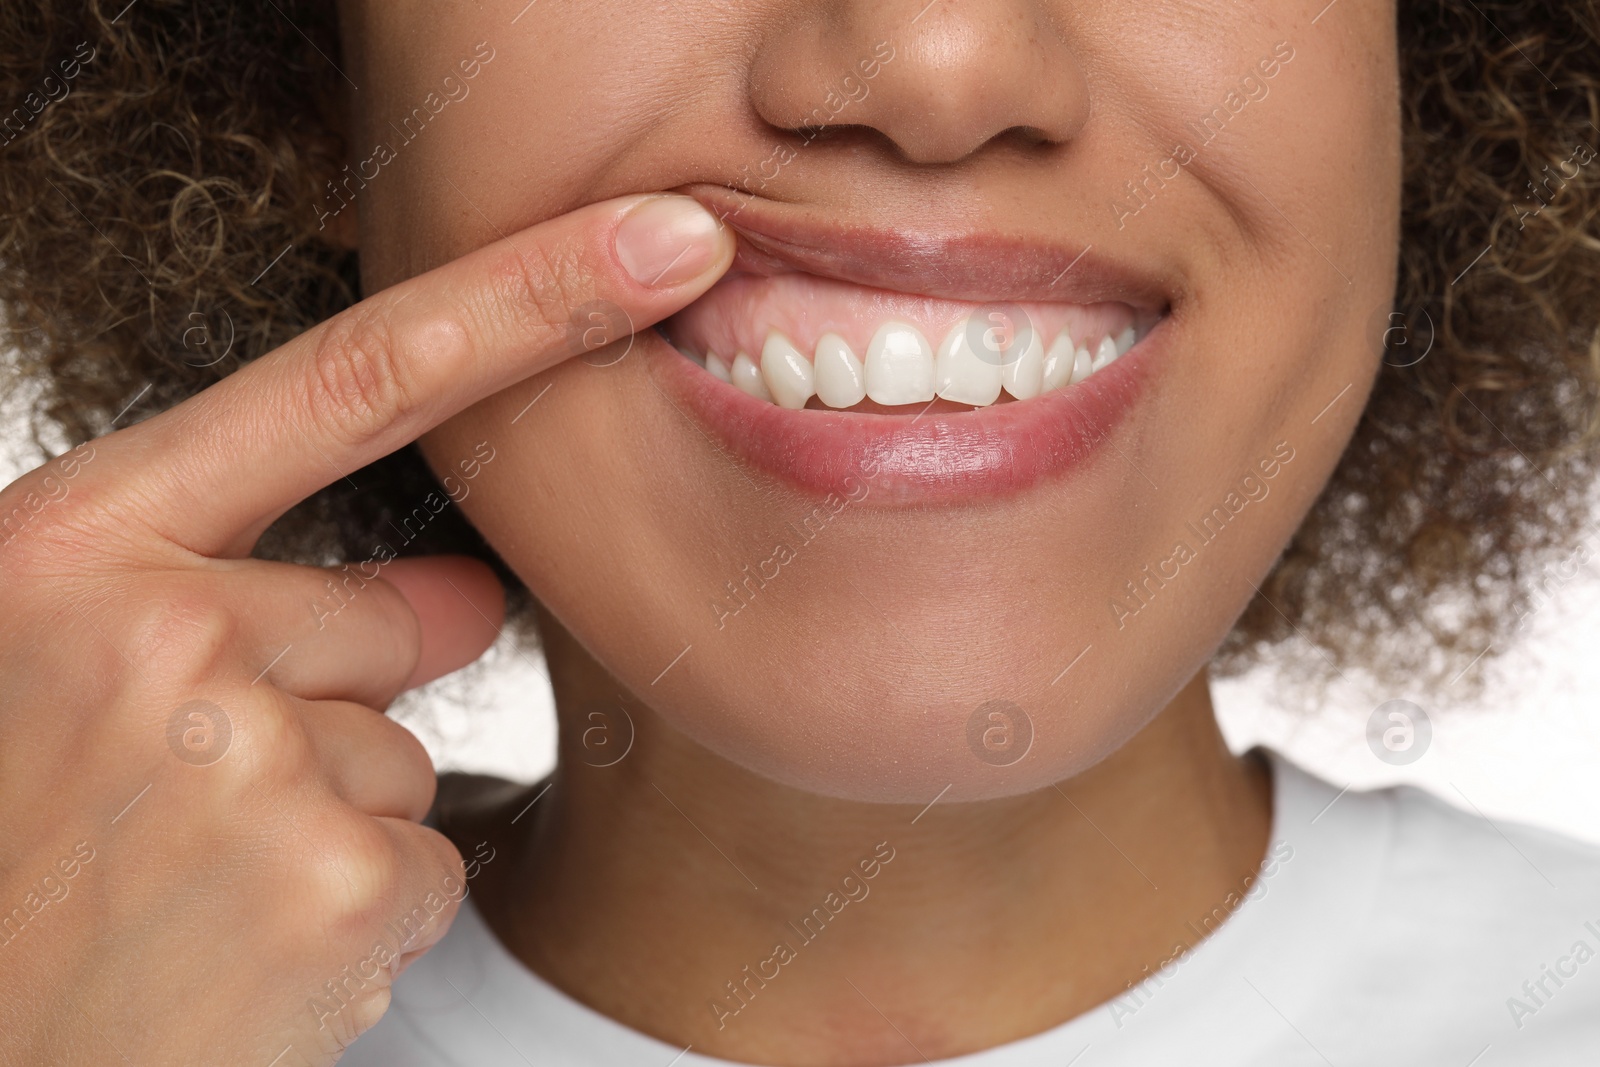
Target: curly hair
x,y
158,228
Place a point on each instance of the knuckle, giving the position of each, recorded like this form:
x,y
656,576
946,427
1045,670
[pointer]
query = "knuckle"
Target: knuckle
x,y
359,381
357,876
180,640
252,747
541,288
274,743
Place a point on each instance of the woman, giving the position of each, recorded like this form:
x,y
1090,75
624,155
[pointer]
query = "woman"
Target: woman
x,y
891,409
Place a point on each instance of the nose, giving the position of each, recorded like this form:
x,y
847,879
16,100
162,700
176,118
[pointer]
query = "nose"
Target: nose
x,y
938,80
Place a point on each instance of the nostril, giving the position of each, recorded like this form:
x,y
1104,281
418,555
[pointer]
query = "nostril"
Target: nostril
x,y
844,133
862,137
1026,136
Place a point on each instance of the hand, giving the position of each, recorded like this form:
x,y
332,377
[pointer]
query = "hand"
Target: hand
x,y
209,839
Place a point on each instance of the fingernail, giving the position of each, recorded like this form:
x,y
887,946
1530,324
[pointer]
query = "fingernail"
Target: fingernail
x,y
667,241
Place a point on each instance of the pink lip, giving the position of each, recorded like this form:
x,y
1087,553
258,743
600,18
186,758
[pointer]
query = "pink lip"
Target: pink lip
x,y
905,460
935,457
775,238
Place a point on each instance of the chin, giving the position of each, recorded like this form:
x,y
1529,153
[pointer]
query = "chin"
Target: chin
x,y
985,663
962,713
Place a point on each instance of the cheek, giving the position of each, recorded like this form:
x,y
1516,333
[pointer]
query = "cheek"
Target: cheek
x,y
549,114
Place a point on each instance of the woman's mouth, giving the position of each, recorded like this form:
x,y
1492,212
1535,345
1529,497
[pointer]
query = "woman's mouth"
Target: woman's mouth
x,y
827,381
799,341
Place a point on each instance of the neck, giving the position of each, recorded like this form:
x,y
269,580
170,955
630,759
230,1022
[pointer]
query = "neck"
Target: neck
x,y
693,901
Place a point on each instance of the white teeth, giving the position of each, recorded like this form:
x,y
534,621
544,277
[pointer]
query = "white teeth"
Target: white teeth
x,y
788,373
899,366
1082,366
841,380
1058,363
747,376
961,375
1023,372
1105,354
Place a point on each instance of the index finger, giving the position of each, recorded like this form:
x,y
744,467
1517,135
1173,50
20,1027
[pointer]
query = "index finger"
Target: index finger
x,y
375,377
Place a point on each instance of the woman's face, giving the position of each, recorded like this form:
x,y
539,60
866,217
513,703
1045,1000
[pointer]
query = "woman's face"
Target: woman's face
x,y
908,595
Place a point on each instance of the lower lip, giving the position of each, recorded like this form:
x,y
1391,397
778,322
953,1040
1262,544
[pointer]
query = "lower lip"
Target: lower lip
x,y
910,460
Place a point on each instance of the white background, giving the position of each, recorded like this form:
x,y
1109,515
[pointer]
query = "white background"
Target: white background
x,y
1528,750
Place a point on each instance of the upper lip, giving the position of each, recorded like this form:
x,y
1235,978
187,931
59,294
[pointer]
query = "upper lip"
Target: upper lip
x,y
960,265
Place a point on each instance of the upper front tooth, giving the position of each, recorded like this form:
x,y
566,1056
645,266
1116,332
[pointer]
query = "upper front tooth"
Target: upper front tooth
x,y
1125,340
961,375
841,380
718,368
1058,363
1023,370
788,373
899,366
1105,353
747,376
1082,365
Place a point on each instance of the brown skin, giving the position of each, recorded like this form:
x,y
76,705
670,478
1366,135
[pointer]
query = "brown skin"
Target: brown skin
x,y
799,737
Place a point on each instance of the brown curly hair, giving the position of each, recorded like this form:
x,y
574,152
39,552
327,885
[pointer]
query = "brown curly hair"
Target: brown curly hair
x,y
159,204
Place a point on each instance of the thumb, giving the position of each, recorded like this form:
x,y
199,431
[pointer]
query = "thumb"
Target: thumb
x,y
461,607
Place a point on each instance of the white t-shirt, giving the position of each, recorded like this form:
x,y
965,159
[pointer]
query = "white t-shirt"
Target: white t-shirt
x,y
1384,928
